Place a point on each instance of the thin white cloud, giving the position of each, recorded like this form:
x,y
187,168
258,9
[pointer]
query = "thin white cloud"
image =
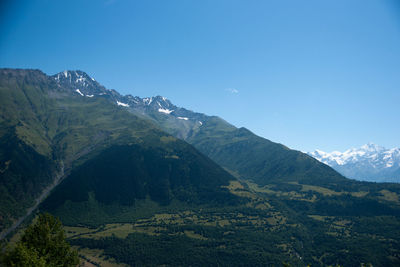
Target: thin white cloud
x,y
232,90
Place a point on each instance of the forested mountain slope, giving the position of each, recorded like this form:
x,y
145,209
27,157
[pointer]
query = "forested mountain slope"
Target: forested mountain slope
x,y
133,194
238,149
45,130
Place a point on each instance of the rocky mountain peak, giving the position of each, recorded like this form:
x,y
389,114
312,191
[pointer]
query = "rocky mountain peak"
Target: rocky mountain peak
x,y
79,82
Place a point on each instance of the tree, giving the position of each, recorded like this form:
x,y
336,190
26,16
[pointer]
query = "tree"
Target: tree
x,y
23,256
42,244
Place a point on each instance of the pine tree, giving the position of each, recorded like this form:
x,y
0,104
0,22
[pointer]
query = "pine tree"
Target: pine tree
x,y
21,255
42,244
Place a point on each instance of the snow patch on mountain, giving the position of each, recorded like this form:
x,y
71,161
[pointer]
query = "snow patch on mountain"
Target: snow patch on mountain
x,y
122,104
166,111
147,100
80,79
79,92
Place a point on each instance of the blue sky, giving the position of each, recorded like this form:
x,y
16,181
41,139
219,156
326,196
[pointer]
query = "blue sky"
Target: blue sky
x,y
308,74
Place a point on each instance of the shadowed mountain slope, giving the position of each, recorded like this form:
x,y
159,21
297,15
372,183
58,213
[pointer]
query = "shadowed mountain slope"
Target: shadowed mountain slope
x,y
46,131
238,149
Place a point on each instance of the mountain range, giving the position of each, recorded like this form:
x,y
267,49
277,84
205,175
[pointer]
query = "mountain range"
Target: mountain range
x,y
370,162
227,145
48,133
148,183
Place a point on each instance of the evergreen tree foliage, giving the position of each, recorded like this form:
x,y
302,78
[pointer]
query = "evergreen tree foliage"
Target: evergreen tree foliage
x,y
21,255
42,244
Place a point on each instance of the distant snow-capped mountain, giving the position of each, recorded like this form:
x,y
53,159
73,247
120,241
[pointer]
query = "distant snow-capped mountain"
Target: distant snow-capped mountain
x,y
368,163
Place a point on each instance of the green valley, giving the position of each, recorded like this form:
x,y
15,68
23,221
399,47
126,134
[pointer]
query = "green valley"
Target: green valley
x,y
141,182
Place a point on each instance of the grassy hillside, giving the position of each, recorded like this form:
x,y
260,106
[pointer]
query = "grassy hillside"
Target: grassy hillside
x,y
258,159
101,147
253,158
24,173
132,194
26,161
239,150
